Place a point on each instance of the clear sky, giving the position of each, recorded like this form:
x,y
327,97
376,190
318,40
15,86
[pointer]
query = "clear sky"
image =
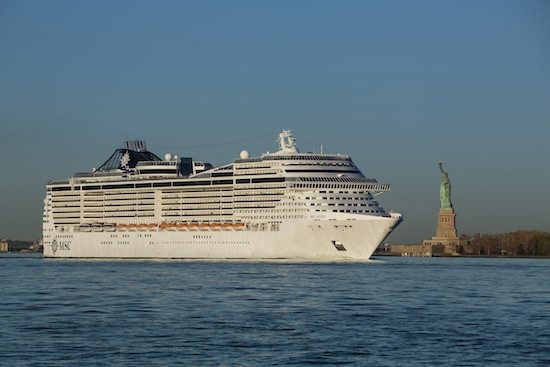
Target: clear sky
x,y
398,85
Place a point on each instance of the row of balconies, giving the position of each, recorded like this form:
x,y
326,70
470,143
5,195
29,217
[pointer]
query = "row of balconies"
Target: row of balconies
x,y
275,185
248,166
195,200
65,210
118,215
61,222
255,204
196,212
118,197
118,209
257,172
190,207
371,187
250,199
198,218
75,199
177,194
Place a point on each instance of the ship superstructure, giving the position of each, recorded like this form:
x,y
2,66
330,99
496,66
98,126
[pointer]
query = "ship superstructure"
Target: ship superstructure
x,y
285,204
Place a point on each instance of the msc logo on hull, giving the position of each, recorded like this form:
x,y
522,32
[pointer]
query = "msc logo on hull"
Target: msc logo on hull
x,y
60,246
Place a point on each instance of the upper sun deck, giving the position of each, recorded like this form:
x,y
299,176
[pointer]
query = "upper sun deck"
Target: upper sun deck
x,y
288,151
128,166
296,157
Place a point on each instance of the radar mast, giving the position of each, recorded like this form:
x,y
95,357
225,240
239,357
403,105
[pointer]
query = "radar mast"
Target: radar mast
x,y
287,143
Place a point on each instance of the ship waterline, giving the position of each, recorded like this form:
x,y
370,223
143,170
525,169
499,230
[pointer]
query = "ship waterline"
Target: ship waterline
x,y
284,205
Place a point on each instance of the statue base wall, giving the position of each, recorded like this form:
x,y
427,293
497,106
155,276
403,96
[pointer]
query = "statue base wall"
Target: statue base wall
x,y
446,241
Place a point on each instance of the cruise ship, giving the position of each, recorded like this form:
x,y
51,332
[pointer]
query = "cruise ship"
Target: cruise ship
x,y
281,205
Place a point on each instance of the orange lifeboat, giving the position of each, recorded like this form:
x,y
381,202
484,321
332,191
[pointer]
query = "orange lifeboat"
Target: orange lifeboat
x,y
167,226
215,226
172,226
193,226
181,226
203,225
238,226
132,227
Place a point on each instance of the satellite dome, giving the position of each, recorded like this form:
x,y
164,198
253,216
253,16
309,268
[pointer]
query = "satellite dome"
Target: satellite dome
x,y
168,157
245,154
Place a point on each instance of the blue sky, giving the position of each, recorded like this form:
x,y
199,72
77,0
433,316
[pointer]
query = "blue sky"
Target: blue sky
x,y
398,85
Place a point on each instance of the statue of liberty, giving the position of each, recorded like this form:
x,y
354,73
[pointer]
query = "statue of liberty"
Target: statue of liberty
x,y
445,189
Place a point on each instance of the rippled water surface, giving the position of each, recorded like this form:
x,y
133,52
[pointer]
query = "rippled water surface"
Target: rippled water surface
x,y
390,312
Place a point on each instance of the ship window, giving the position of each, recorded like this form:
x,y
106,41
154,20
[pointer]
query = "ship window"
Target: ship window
x,y
222,174
92,187
268,179
61,188
121,186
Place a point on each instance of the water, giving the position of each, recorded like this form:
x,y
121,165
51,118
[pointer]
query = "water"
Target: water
x,y
390,312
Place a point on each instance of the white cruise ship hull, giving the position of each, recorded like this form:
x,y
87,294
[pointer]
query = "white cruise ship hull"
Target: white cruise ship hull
x,y
346,236
282,205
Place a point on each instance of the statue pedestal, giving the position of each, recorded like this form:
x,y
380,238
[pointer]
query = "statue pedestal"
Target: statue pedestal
x,y
446,224
445,241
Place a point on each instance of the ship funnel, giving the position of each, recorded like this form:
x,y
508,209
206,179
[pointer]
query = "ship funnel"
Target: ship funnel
x,y
136,145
